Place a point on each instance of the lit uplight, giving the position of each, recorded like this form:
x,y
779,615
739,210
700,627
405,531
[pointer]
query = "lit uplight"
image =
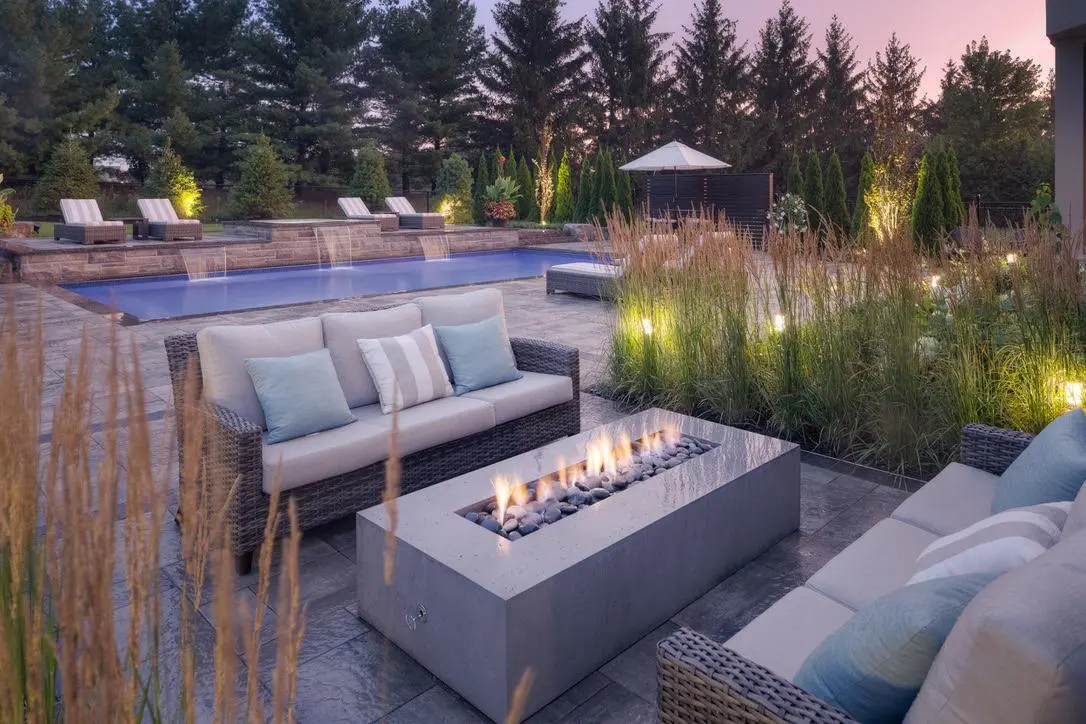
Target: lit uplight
x,y
1072,394
779,323
935,281
1012,259
646,325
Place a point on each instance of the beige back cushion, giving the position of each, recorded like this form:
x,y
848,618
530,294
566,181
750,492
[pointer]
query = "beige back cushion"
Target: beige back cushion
x,y
341,334
1018,652
224,349
353,206
80,211
157,210
399,204
447,310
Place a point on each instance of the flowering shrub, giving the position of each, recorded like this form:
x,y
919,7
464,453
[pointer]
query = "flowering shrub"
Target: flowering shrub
x,y
500,198
501,210
790,214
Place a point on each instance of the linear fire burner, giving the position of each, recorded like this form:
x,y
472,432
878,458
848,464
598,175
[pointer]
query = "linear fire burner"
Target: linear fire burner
x,y
479,610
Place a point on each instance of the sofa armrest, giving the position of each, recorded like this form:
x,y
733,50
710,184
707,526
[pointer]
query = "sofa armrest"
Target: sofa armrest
x,y
991,448
551,358
700,680
233,457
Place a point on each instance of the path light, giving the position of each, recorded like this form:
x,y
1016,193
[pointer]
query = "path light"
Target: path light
x,y
1072,394
935,279
1012,259
646,326
779,323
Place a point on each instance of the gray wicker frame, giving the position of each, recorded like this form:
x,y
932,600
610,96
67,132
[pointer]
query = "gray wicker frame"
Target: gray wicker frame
x,y
87,235
237,447
172,231
426,222
702,681
387,222
588,285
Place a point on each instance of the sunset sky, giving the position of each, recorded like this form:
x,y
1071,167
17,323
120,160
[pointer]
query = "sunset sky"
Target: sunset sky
x,y
936,29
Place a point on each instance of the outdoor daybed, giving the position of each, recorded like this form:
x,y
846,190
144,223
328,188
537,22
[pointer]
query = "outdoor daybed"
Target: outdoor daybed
x,y
83,223
1016,650
339,471
355,208
163,222
411,219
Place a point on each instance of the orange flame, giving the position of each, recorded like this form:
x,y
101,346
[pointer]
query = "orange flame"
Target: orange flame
x,y
543,488
521,495
502,490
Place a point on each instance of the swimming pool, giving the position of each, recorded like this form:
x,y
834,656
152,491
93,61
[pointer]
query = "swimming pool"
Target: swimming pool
x,y
151,298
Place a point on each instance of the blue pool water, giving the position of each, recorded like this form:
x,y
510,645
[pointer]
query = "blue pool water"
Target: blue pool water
x,y
166,297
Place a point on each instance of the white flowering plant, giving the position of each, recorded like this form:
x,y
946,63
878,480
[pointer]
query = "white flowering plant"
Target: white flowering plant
x,y
789,214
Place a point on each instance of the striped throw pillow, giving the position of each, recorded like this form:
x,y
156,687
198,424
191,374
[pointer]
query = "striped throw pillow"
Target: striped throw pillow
x,y
406,370
994,545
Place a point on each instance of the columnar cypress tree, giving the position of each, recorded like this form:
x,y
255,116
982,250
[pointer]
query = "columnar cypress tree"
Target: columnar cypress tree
x,y
584,191
860,216
927,213
510,168
261,192
496,160
814,191
836,202
69,174
625,193
563,198
608,192
478,194
954,212
795,176
370,180
526,202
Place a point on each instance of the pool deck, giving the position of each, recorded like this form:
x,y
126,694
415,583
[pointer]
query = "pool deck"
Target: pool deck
x,y
347,671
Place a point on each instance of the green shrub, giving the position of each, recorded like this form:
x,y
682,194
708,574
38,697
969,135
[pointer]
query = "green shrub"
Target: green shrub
x,y
563,197
861,217
170,179
928,220
954,213
526,203
836,201
478,197
69,174
586,193
370,180
454,190
608,192
7,212
814,192
795,177
262,192
1043,211
625,193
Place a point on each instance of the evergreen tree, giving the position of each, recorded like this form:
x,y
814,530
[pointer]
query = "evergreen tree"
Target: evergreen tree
x,y
536,71
928,219
370,179
955,211
498,164
585,192
861,224
814,192
840,118
795,176
607,192
454,189
836,201
69,174
893,83
478,198
511,169
524,180
171,180
711,84
625,193
261,192
563,196
784,94
305,56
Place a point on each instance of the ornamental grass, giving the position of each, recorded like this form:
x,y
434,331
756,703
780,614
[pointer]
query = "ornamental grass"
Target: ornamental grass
x,y
876,353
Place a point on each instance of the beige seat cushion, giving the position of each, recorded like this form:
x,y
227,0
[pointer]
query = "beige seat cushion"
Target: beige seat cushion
x,y
1018,652
531,393
341,334
880,561
432,423
789,630
955,498
321,455
224,349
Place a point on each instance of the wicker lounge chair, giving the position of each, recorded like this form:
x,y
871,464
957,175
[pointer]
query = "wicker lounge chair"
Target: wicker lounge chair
x,y
598,280
411,219
163,222
83,223
355,209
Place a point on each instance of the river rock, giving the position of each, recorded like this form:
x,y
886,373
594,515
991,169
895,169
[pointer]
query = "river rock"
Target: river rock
x,y
531,519
552,514
472,516
491,506
600,493
515,536
621,483
567,508
491,524
510,525
527,528
583,485
516,511
578,498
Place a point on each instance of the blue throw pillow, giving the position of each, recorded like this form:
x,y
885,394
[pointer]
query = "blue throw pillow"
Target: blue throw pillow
x,y
300,395
479,354
873,666
1050,470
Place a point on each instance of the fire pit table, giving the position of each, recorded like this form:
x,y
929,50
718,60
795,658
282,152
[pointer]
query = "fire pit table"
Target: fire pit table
x,y
555,561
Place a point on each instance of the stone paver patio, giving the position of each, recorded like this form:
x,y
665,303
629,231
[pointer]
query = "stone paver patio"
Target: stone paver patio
x,y
350,673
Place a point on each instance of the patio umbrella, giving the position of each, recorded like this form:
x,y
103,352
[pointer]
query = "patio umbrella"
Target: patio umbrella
x,y
675,157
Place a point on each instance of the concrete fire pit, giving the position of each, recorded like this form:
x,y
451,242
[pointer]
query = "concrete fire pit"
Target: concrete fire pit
x,y
479,610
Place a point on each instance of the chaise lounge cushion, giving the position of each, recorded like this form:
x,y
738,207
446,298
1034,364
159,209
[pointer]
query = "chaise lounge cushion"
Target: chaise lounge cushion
x,y
531,393
305,460
224,349
957,497
433,423
1018,652
1050,469
789,630
877,563
341,334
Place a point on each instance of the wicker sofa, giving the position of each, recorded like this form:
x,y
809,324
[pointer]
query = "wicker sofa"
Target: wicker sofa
x,y
338,472
1028,621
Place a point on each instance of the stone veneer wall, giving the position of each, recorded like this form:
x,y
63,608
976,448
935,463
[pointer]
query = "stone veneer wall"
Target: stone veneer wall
x,y
271,246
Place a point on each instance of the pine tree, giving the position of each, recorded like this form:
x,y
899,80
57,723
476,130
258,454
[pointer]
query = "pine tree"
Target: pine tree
x,y
563,197
261,192
840,113
861,219
607,193
370,179
795,176
625,193
893,84
69,174
170,179
928,219
836,201
478,197
956,213
814,191
585,192
524,180
536,71
711,83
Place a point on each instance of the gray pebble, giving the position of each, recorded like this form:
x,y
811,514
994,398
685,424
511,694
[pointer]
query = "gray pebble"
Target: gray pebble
x,y
578,498
535,506
531,519
552,514
609,487
622,483
527,528
491,524
510,525
472,516
600,493
673,462
567,508
560,493
583,485
516,511
491,506
515,536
